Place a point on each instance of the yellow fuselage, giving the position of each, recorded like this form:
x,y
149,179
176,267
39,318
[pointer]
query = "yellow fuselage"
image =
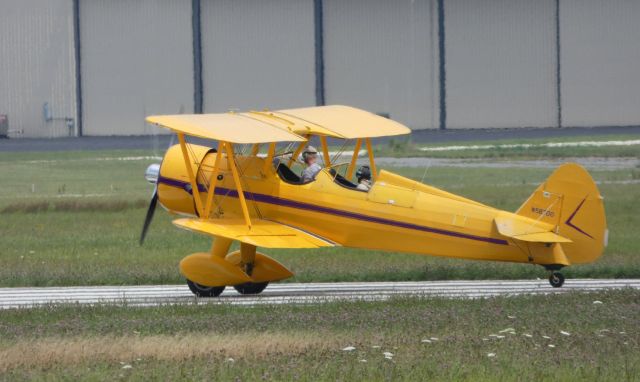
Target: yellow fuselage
x,y
397,214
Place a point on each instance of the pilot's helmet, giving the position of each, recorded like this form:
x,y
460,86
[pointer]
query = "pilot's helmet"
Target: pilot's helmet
x,y
308,152
364,172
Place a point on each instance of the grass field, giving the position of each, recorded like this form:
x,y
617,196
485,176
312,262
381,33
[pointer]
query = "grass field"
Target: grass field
x,y
531,338
73,218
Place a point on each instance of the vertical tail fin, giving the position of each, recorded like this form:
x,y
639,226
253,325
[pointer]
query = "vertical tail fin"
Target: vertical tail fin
x,y
569,199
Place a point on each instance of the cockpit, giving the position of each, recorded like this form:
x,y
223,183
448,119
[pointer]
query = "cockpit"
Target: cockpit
x,y
290,167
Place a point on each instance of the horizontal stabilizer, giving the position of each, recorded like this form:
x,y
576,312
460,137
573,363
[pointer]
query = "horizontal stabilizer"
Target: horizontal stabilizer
x,y
527,230
263,233
542,237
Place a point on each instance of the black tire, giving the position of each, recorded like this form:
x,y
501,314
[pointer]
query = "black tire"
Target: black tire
x,y
204,291
250,288
556,279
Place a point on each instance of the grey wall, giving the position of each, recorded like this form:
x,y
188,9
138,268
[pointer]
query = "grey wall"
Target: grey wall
x,y
382,56
257,54
37,65
136,61
501,65
600,62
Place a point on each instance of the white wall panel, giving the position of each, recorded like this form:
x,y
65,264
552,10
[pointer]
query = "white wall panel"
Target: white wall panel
x,y
600,62
501,66
37,65
137,60
257,54
382,56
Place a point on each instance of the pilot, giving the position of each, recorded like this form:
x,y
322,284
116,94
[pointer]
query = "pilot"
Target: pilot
x,y
310,157
364,178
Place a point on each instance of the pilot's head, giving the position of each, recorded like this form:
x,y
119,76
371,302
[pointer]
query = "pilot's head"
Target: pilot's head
x,y
363,173
310,155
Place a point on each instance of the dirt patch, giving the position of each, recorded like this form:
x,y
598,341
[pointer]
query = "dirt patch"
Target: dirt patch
x,y
44,353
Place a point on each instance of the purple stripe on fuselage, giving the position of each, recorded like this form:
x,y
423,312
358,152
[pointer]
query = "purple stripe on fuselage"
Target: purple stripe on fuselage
x,y
263,198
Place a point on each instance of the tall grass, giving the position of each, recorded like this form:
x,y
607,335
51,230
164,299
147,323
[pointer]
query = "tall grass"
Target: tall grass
x,y
73,206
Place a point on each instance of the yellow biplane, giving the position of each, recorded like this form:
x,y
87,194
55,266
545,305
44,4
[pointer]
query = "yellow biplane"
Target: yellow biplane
x,y
255,198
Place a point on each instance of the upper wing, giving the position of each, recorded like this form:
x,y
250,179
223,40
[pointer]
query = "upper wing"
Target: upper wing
x,y
525,230
263,233
341,122
229,127
283,125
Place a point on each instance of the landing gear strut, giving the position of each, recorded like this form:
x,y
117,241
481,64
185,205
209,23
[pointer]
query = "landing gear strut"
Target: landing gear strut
x,y
556,279
247,261
204,291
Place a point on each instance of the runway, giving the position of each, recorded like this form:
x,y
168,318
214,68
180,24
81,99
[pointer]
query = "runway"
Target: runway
x,y
295,293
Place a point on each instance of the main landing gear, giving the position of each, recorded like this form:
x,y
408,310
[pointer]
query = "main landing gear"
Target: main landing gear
x,y
250,288
204,291
246,270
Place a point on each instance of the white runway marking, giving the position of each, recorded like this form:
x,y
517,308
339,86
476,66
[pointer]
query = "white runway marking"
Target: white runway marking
x,y
295,293
631,142
591,163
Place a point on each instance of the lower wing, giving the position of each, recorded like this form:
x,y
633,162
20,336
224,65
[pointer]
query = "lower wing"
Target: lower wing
x,y
263,233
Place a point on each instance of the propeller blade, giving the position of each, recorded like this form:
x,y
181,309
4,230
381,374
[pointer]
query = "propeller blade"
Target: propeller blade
x,y
149,217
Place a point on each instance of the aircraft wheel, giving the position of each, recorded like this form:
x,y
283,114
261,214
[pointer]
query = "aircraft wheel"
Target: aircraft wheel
x,y
204,291
251,288
556,279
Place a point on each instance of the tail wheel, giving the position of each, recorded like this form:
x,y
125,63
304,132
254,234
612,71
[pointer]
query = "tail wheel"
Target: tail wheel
x,y
251,288
204,291
556,279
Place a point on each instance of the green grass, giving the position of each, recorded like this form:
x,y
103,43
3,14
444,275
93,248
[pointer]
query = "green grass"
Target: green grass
x,y
404,147
284,342
74,219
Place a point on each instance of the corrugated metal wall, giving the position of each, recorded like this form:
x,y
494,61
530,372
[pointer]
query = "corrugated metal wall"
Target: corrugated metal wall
x,y
500,63
257,54
382,56
137,60
600,62
37,65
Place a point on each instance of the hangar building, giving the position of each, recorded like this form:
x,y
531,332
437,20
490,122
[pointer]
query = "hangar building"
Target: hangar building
x,y
98,67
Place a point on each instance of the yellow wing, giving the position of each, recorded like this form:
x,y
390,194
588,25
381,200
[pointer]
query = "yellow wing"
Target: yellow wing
x,y
263,233
527,230
282,125
228,127
341,122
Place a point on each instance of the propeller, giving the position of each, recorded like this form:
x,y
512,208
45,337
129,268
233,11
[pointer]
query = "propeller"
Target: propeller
x,y
150,211
152,174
